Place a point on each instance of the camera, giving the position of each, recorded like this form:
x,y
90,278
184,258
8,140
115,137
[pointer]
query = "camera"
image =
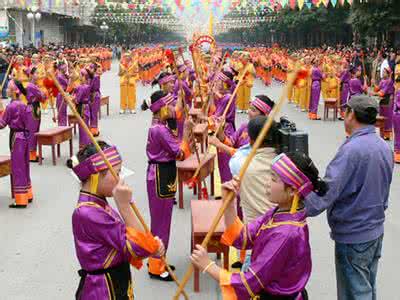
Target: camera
x,y
289,139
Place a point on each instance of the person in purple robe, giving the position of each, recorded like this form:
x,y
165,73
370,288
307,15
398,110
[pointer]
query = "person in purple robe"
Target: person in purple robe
x,y
163,150
221,99
356,87
261,105
61,105
94,72
345,77
34,97
107,241
385,92
15,117
396,126
316,77
82,94
280,264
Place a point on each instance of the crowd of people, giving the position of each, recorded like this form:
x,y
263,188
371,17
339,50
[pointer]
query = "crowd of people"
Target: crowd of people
x,y
267,222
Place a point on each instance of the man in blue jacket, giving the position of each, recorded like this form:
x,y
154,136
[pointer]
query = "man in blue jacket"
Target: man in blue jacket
x,y
359,179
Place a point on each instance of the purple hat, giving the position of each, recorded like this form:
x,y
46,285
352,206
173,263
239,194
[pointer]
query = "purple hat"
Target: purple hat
x,y
160,103
166,79
291,175
221,76
95,163
182,68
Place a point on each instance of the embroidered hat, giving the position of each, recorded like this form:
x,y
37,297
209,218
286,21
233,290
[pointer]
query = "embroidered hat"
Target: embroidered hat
x,y
160,103
261,106
95,163
291,175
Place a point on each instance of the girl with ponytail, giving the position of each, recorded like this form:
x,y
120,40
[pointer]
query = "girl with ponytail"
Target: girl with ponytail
x,y
281,258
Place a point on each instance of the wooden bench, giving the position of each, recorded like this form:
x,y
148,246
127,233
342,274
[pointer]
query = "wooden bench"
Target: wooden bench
x,y
104,101
73,121
5,170
380,123
53,137
196,114
203,213
330,103
186,171
200,132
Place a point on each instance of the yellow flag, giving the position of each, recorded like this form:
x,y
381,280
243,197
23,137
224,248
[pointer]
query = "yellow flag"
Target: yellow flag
x,y
211,24
300,3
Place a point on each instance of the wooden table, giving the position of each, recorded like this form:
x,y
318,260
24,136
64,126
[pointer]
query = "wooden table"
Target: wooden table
x,y
105,101
73,121
380,123
53,137
330,103
186,171
196,113
5,170
200,132
203,213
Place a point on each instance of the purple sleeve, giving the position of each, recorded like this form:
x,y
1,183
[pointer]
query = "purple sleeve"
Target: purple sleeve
x,y
388,88
110,231
35,92
397,102
265,268
168,141
63,81
95,84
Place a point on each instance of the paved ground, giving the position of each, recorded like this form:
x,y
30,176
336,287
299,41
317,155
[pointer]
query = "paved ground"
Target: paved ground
x,y
37,248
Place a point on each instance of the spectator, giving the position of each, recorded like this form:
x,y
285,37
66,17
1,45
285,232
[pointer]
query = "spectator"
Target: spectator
x,y
359,179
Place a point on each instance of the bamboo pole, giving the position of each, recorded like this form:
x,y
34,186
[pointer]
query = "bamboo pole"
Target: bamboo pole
x,y
231,195
82,123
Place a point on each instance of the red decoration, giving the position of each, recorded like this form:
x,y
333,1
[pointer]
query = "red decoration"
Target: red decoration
x,y
191,183
50,86
170,56
204,193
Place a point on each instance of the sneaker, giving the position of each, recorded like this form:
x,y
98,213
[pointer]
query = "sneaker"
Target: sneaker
x,y
237,265
121,112
132,111
14,205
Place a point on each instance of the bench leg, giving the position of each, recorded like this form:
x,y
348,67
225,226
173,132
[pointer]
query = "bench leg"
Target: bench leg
x,y
196,280
226,257
58,150
212,183
11,185
53,154
108,109
100,113
40,154
180,193
71,148
199,190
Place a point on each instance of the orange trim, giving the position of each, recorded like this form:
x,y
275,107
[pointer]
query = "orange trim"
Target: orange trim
x,y
381,94
145,241
211,124
228,292
397,157
21,199
156,266
30,193
185,149
232,151
227,141
232,233
178,114
32,155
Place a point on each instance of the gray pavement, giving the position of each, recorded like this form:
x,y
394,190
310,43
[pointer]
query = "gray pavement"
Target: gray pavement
x,y
37,249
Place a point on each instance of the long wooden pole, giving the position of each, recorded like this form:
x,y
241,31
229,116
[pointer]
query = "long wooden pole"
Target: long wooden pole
x,y
82,123
231,195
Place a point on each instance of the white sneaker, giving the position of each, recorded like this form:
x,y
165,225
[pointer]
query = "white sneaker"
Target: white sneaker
x,y
133,111
121,112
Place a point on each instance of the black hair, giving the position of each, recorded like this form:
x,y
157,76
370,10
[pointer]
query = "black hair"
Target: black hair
x,y
20,87
154,97
162,75
266,100
87,152
33,70
307,167
367,117
256,125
